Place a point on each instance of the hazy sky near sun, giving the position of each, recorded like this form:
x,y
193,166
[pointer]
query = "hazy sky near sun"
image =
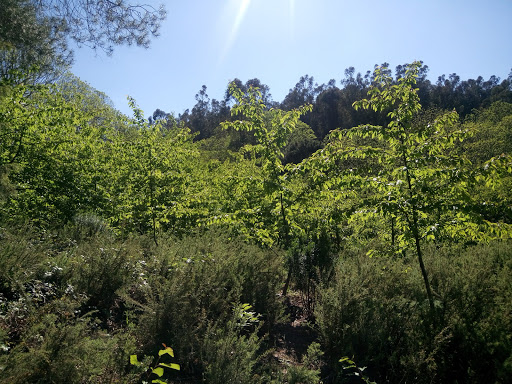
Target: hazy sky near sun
x,y
211,42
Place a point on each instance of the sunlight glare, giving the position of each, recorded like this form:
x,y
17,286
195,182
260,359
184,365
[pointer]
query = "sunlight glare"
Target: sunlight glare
x,y
292,19
242,10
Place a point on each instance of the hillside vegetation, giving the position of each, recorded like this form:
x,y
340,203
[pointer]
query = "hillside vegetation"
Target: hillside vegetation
x,y
382,208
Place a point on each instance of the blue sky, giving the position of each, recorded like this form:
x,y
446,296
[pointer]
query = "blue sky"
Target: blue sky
x,y
211,42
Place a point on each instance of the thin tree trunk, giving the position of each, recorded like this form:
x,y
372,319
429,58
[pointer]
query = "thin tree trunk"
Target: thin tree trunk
x,y
422,266
286,245
287,282
152,197
416,235
393,231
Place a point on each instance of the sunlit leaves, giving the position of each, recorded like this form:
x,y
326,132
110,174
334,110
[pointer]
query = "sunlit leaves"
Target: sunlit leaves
x,y
158,368
412,169
153,168
47,140
266,214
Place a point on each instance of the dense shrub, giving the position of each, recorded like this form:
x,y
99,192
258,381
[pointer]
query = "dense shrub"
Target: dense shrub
x,y
230,350
49,323
72,306
98,268
375,310
58,345
188,290
20,254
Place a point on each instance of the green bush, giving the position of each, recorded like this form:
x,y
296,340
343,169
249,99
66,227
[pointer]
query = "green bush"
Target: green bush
x,y
21,252
475,291
187,290
59,346
99,268
49,284
230,350
85,226
375,310
309,371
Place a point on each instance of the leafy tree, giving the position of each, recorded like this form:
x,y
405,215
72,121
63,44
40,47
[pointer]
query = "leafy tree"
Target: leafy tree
x,y
149,172
272,216
44,151
33,46
34,34
492,129
272,131
411,174
104,24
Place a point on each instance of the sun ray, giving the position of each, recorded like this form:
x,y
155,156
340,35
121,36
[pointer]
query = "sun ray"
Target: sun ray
x,y
243,5
292,19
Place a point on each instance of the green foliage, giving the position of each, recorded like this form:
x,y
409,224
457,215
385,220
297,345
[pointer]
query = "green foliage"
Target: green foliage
x,y
353,370
272,129
102,25
376,311
151,182
32,47
301,144
492,138
34,34
19,258
104,251
309,371
407,174
158,367
46,147
99,271
58,345
299,374
204,276
230,353
76,294
86,226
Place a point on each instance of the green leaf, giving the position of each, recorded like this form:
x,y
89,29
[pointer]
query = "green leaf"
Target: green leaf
x,y
134,360
346,359
167,350
158,371
171,366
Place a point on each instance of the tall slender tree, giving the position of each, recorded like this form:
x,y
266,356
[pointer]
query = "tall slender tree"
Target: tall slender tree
x,y
415,177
